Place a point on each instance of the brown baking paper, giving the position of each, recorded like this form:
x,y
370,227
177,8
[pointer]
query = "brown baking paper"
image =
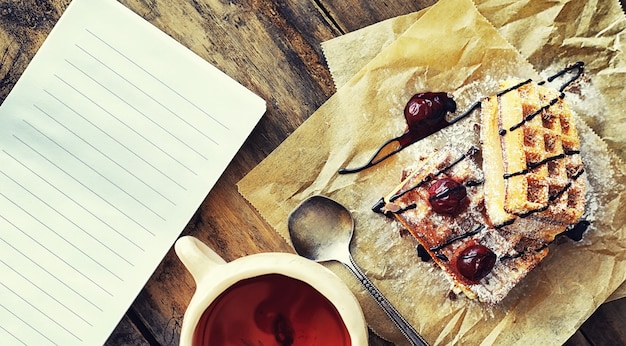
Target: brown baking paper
x,y
549,34
595,36
465,55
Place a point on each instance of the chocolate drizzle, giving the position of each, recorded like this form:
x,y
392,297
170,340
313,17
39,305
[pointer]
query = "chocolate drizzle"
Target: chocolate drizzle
x,y
422,253
428,178
555,196
551,198
457,238
574,232
397,144
522,254
380,204
532,165
438,121
578,66
577,231
425,114
579,69
533,115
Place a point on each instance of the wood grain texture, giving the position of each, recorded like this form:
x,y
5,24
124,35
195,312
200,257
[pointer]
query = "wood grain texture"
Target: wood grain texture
x,y
353,15
25,25
608,325
274,49
127,333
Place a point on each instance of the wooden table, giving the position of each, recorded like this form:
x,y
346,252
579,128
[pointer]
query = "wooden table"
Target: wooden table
x,y
273,48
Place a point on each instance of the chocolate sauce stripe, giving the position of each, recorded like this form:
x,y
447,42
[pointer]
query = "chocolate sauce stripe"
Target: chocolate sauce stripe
x,y
378,206
534,114
408,207
575,233
555,196
524,253
514,87
550,198
532,165
457,238
579,66
427,178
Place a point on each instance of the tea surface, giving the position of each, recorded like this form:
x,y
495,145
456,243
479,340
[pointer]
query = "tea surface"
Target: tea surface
x,y
271,309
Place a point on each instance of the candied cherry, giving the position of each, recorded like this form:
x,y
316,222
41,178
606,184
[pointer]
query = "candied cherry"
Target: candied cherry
x,y
447,196
475,262
427,108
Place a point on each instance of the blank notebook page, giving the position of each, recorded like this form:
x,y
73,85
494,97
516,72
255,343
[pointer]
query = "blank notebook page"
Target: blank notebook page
x,y
109,142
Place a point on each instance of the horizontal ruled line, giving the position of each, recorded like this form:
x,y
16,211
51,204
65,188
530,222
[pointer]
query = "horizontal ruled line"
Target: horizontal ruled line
x,y
46,293
76,203
29,213
48,249
66,218
143,182
28,324
126,125
53,320
94,170
9,332
172,180
83,185
52,275
157,79
107,66
52,252
137,110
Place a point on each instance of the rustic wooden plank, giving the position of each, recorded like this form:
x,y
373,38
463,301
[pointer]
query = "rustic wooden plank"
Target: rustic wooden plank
x,y
607,325
24,25
356,14
278,42
126,333
578,339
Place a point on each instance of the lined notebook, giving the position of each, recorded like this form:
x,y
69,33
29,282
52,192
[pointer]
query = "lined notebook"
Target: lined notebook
x,y
109,142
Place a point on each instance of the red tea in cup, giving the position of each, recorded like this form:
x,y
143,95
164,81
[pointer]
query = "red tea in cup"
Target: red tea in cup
x,y
271,309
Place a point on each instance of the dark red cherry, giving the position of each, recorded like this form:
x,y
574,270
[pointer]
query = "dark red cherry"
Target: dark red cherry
x,y
447,196
427,108
475,262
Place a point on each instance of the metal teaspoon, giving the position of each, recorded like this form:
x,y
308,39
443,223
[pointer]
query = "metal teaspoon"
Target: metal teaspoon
x,y
321,230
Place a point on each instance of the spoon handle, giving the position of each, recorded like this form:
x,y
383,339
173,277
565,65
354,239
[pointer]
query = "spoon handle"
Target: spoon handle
x,y
405,327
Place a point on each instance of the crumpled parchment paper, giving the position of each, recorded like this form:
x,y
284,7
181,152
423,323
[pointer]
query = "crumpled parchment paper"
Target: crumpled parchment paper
x,y
595,37
449,47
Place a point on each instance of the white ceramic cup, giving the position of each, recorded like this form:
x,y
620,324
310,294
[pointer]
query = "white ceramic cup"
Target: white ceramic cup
x,y
214,277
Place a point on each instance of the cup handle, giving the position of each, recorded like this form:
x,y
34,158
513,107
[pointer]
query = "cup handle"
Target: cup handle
x,y
197,257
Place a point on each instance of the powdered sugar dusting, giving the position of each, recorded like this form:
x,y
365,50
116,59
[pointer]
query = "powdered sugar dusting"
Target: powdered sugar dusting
x,y
463,135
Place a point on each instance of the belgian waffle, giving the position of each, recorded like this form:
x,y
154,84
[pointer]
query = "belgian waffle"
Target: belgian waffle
x,y
445,237
532,157
530,189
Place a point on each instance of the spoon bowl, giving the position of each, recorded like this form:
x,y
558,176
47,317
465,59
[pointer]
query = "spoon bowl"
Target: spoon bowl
x,y
321,230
